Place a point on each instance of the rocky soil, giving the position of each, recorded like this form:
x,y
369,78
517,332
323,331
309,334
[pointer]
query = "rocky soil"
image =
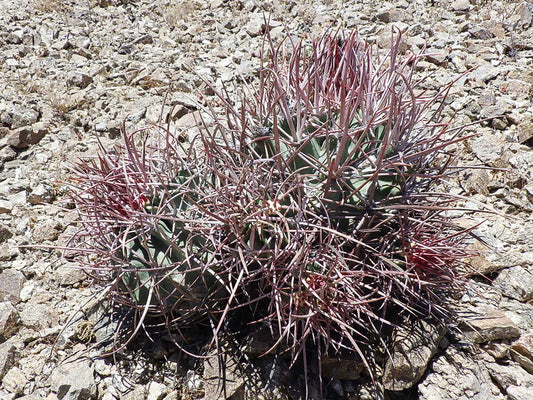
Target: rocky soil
x,y
72,72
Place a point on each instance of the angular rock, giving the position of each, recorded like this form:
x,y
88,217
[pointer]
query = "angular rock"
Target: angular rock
x,y
457,375
38,316
138,392
522,352
69,274
493,326
11,283
74,381
50,229
489,149
14,381
461,5
516,283
525,11
156,391
24,137
23,116
7,154
9,320
42,193
341,368
79,79
228,385
7,358
519,393
525,132
510,375
412,352
5,233
193,382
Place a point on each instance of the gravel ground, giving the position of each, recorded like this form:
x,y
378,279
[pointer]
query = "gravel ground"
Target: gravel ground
x,y
74,72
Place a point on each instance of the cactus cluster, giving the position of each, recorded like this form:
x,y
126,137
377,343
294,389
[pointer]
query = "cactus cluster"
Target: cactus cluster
x,y
311,205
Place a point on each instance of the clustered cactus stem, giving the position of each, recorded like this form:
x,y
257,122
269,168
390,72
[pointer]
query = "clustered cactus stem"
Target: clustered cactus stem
x,y
311,205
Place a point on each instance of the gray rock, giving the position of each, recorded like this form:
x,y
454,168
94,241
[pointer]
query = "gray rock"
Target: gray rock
x,y
11,283
489,149
138,392
411,355
23,116
7,358
519,393
156,391
484,73
15,37
461,5
9,320
69,274
525,11
478,32
493,326
42,193
14,381
7,252
457,375
193,382
216,387
145,39
510,375
38,316
525,131
7,154
74,381
516,282
49,229
79,79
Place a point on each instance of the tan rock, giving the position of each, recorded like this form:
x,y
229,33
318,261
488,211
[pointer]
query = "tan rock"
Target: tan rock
x,y
493,326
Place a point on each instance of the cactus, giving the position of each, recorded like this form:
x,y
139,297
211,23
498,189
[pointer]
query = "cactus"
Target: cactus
x,y
313,205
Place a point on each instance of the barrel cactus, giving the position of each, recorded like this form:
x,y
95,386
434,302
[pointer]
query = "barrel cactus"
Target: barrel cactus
x,y
310,205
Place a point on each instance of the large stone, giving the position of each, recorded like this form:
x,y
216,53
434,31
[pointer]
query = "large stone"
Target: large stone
x,y
457,375
14,381
492,326
9,320
23,116
69,274
516,283
38,316
11,283
413,349
74,381
510,375
489,149
519,393
22,138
